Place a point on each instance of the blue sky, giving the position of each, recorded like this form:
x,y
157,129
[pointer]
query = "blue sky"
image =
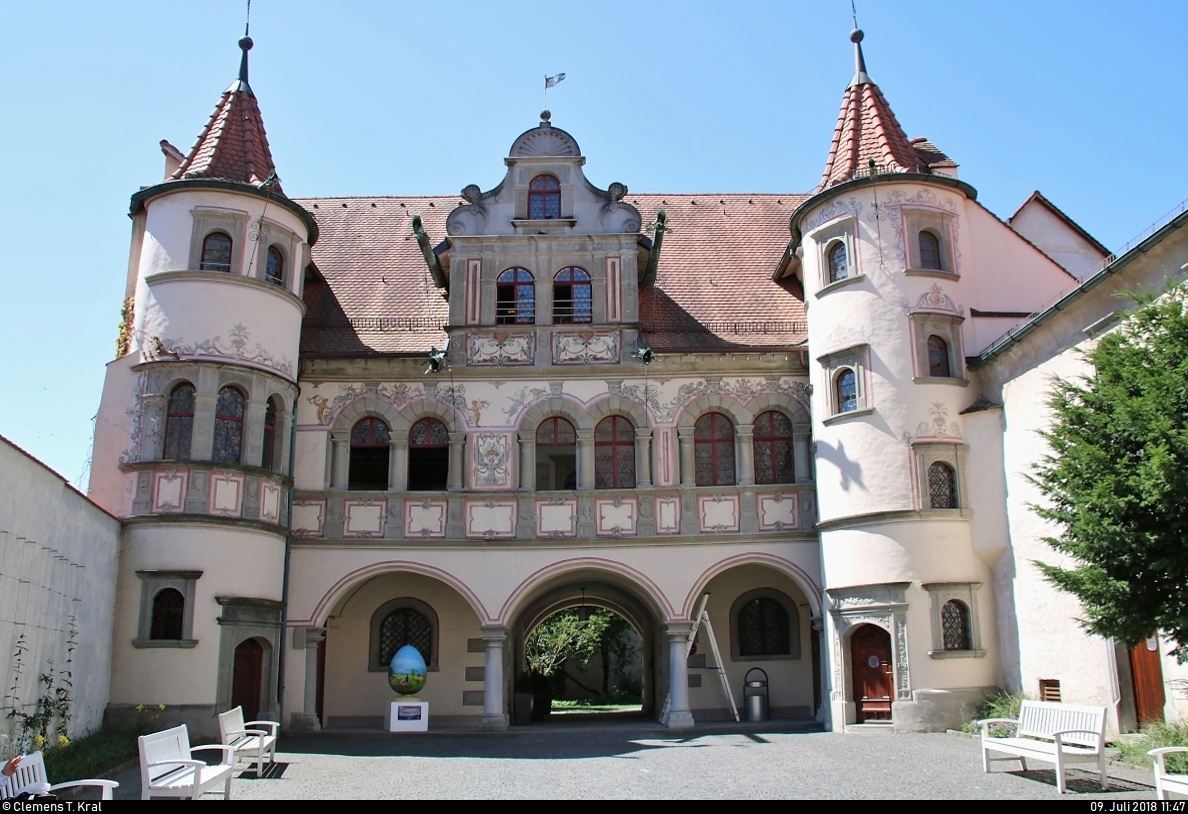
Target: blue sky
x,y
1083,101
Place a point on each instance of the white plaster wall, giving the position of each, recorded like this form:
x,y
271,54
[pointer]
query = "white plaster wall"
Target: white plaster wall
x,y
109,487
58,554
1057,239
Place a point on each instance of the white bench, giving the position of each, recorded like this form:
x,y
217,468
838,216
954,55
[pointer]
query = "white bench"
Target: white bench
x,y
1165,782
168,767
30,778
250,740
1054,733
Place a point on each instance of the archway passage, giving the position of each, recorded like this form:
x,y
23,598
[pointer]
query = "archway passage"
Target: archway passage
x,y
245,682
870,660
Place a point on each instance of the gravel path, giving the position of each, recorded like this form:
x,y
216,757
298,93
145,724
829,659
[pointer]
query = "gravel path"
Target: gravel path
x,y
580,761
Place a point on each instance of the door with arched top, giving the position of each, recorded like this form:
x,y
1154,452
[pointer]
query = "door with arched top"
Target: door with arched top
x,y
871,670
245,681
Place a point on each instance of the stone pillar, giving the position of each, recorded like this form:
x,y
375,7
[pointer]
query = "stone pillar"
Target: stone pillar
x,y
340,459
494,693
398,463
457,480
679,714
800,453
643,457
744,453
528,461
202,438
284,442
688,462
585,459
153,412
252,442
311,638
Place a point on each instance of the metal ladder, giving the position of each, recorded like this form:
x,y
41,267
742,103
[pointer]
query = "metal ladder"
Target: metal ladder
x,y
702,618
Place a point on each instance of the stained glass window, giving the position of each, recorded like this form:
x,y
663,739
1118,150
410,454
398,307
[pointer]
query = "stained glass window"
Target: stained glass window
x,y
428,456
405,626
168,614
544,198
938,357
370,449
930,253
942,486
614,453
268,459
773,448
847,391
955,626
515,298
179,423
228,427
763,628
274,270
572,302
839,267
713,450
216,252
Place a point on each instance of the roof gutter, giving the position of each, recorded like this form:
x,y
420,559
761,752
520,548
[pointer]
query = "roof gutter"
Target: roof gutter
x,y
649,274
431,259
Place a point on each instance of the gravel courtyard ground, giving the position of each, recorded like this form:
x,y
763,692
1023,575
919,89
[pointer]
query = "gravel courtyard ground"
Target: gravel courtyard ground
x,y
579,761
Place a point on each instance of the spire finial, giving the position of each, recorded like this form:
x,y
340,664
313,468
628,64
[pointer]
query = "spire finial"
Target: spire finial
x,y
245,45
860,75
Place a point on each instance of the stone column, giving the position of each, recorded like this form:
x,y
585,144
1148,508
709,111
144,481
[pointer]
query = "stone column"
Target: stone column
x,y
643,457
311,638
494,693
340,459
800,453
252,451
457,480
744,451
528,461
398,462
284,439
679,714
688,462
202,438
585,459
154,408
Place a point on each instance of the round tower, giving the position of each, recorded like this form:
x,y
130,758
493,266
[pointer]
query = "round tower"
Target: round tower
x,y
881,248
194,442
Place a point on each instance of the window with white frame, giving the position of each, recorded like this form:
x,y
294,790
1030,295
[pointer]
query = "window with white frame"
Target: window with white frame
x,y
955,628
846,379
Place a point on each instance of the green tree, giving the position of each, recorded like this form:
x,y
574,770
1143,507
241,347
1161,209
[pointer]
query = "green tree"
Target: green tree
x,y
1116,477
563,636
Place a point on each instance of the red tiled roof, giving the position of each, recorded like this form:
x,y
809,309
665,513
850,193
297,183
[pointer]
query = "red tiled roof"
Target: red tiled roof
x,y
713,289
866,129
232,146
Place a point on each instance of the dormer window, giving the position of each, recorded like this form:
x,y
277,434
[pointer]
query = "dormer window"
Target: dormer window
x,y
274,268
544,198
216,252
515,298
572,302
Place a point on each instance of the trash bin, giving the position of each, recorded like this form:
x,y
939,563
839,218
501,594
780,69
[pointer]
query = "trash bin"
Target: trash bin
x,y
755,696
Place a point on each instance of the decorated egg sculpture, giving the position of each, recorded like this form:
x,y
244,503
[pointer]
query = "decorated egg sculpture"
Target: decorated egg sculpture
x,y
407,671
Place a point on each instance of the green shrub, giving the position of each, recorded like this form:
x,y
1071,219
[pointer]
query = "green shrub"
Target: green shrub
x,y
90,756
1001,705
1134,750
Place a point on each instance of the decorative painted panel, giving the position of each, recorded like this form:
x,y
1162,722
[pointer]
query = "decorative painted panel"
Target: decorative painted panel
x,y
235,348
169,491
668,515
779,511
492,457
490,519
556,517
474,273
718,512
616,517
309,517
226,494
270,497
364,518
613,293
425,519
501,349
586,348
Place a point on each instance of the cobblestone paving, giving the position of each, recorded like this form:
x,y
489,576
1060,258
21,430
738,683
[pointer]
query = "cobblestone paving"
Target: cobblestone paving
x,y
580,762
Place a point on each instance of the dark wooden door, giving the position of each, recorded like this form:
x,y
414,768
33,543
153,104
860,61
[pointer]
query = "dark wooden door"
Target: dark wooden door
x,y
870,660
245,682
1147,674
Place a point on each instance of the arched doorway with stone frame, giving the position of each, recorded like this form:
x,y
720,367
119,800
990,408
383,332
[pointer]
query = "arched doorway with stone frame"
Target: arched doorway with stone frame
x,y
877,614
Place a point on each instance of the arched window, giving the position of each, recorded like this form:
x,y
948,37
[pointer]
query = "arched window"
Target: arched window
x,y
955,626
846,386
228,426
572,301
713,450
179,423
400,627
515,298
216,252
556,455
370,447
773,448
274,266
930,253
169,608
839,266
942,486
544,198
428,456
269,457
764,626
614,453
938,357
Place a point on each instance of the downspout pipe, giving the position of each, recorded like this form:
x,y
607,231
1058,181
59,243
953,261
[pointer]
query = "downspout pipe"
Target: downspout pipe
x,y
284,634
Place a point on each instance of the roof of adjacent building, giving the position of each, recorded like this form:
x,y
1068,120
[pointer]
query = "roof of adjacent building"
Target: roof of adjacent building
x,y
374,293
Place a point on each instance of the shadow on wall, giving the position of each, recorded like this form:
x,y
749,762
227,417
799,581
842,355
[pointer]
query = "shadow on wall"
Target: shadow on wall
x,y
850,471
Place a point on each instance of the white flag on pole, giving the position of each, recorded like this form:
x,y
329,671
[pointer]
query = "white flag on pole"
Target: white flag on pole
x,y
550,81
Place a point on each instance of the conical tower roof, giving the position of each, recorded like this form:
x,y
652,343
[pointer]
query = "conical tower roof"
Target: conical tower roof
x,y
233,145
867,129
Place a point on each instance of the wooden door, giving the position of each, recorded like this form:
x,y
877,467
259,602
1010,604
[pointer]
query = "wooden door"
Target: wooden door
x,y
871,669
245,681
1146,672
